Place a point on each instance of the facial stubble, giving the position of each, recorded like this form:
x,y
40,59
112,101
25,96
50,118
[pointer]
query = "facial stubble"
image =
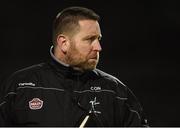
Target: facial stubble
x,y
76,60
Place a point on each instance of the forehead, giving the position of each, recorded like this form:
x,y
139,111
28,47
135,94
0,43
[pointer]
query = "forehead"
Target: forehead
x,y
89,27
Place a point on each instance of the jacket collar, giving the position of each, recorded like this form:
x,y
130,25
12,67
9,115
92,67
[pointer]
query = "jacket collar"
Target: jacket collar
x,y
54,58
66,70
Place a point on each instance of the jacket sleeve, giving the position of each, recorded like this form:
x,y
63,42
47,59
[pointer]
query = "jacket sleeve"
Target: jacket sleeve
x,y
133,111
6,102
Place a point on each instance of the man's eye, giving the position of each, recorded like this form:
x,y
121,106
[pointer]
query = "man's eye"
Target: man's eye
x,y
91,39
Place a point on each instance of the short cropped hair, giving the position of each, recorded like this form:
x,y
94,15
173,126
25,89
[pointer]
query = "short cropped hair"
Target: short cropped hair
x,y
67,21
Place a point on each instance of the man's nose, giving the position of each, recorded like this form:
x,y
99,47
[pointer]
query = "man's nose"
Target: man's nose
x,y
97,46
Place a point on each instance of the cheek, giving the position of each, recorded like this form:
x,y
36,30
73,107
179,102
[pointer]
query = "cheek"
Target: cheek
x,y
86,52
84,49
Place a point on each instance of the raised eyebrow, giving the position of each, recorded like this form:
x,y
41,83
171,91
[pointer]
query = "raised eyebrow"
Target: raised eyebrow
x,y
90,36
97,36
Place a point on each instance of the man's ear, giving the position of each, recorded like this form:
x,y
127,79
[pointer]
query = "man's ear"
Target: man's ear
x,y
62,43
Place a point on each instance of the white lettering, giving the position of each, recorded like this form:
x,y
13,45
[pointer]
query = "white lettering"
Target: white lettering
x,y
23,84
95,88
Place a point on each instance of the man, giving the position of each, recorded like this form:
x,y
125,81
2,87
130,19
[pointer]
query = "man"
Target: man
x,y
69,90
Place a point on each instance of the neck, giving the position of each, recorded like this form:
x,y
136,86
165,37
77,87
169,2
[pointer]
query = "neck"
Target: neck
x,y
56,57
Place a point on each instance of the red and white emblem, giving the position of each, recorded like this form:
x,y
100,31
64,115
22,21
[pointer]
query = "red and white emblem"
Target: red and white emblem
x,y
35,104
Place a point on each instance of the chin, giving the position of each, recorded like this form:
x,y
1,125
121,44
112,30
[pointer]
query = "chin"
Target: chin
x,y
90,66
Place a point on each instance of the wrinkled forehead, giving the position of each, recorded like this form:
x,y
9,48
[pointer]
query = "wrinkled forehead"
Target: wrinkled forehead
x,y
90,27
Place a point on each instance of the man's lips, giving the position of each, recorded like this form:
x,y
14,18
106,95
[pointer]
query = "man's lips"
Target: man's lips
x,y
94,57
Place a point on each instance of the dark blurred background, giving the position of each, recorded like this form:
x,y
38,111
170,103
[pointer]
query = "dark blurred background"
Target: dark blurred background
x,y
140,46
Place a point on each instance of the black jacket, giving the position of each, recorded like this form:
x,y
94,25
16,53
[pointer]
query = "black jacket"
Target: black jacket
x,y
50,94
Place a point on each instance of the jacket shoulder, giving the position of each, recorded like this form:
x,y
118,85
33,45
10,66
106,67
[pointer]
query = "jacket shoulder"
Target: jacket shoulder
x,y
112,83
25,76
31,69
109,77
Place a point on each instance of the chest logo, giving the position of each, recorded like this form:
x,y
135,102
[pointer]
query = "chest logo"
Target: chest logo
x,y
35,104
93,106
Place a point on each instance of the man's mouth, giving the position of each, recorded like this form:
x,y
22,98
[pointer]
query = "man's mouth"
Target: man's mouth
x,y
94,58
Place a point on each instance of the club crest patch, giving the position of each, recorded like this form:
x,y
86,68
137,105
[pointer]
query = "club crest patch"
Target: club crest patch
x,y
35,104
